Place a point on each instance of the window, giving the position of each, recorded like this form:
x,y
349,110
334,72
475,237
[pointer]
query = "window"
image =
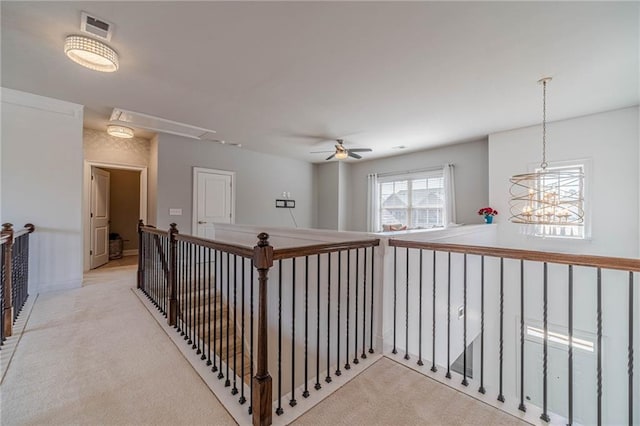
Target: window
x,y
413,201
571,199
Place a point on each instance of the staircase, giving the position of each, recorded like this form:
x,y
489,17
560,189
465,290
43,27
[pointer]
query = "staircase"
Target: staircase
x,y
197,312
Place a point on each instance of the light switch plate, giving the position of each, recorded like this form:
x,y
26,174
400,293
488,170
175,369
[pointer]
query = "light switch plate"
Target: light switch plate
x,y
175,212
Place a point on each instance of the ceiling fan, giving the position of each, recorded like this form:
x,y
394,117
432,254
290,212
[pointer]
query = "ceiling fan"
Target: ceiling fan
x,y
341,152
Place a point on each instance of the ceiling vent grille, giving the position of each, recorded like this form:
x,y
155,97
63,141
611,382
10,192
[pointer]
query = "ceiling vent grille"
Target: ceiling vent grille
x,y
95,26
157,124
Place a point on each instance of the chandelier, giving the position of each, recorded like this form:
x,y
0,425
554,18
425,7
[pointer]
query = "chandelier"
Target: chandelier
x,y
547,196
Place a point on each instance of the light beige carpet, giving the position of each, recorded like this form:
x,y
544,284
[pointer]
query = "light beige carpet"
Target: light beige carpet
x,y
94,356
388,393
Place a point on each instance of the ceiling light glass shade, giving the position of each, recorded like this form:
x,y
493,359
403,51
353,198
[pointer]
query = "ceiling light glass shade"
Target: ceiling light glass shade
x,y
91,53
547,197
341,155
120,131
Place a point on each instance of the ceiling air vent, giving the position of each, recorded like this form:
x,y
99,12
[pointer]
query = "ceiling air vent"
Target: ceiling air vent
x,y
95,26
157,124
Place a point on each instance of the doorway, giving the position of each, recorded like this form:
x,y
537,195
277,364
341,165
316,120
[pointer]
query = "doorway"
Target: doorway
x,y
115,199
213,200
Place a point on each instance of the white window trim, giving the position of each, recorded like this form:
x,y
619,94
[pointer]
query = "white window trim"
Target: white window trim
x,y
587,166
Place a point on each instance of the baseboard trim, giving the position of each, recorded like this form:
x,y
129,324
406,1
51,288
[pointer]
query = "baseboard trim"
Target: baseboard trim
x,y
130,252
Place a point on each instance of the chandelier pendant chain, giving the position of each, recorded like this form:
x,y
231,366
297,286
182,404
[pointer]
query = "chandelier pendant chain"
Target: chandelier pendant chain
x,y
544,124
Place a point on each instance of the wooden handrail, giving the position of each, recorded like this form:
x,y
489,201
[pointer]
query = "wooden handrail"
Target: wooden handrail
x,y
217,245
153,230
28,229
287,253
604,262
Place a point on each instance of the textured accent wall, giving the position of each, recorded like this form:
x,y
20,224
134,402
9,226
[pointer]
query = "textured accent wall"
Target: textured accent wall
x,y
99,146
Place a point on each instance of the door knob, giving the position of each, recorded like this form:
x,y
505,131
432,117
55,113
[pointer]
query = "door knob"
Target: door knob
x,y
201,222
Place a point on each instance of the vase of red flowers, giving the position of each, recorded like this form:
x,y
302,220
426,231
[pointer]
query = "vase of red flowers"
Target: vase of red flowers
x,y
488,214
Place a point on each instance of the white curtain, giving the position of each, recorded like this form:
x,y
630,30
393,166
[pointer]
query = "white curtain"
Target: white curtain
x,y
373,207
450,195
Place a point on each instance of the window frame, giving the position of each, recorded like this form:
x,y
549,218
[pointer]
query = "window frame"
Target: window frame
x,y
409,178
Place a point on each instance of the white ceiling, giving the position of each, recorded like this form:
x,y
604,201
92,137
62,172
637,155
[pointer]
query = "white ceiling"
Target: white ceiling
x,y
272,75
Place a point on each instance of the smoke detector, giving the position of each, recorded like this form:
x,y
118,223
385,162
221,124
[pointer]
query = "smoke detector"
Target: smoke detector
x,y
96,27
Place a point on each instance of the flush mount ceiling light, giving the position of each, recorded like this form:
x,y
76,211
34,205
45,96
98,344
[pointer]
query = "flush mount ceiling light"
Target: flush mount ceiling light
x,y
91,53
120,131
547,197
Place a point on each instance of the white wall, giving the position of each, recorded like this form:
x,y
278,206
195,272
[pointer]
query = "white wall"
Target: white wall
x,y
260,179
610,141
42,183
470,174
327,183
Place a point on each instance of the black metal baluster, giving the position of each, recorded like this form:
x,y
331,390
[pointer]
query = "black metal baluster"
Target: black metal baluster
x,y
364,304
371,312
242,399
292,401
570,353
279,410
197,273
395,298
448,375
501,349
305,394
216,281
190,299
234,390
220,308
208,299
420,363
464,325
522,407
203,301
599,338
227,381
318,385
338,372
481,389
545,344
251,340
433,320
355,318
630,349
347,366
328,378
406,311
183,289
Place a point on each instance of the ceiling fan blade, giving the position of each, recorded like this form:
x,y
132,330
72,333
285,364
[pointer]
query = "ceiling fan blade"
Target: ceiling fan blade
x,y
321,152
356,156
330,157
361,150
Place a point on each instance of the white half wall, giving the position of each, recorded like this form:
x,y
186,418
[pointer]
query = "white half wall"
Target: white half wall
x,y
42,184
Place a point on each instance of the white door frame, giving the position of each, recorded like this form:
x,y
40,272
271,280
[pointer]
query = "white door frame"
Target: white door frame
x,y
86,201
194,184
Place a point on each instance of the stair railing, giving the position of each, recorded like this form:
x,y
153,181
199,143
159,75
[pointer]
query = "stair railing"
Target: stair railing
x,y
210,294
521,308
14,273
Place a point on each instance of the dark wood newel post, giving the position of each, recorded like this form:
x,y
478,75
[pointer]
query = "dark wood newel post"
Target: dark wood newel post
x,y
140,254
7,229
172,315
262,386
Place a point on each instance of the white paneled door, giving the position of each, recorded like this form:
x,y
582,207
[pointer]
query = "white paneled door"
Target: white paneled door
x,y
100,181
213,200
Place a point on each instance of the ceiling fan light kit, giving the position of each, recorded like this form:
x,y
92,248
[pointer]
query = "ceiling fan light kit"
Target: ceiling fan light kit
x,y
342,153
